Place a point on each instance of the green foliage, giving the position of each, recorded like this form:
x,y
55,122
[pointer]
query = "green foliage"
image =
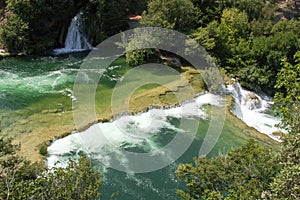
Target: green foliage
x,y
39,23
282,40
266,53
172,14
138,57
43,150
228,40
202,36
47,21
244,173
14,33
14,169
290,153
286,184
253,8
7,148
105,18
22,8
234,25
20,179
287,103
79,180
251,57
207,11
136,54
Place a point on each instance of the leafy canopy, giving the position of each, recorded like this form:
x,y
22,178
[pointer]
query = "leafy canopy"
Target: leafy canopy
x,y
20,179
242,174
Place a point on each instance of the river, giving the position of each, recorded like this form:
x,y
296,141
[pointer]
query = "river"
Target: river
x,y
36,95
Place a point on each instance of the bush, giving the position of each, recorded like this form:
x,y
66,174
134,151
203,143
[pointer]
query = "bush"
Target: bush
x,y
43,150
14,33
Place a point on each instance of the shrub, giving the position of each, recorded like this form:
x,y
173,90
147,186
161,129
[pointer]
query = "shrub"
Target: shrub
x,y
43,150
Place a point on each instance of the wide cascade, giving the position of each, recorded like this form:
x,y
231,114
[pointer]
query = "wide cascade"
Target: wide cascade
x,y
76,39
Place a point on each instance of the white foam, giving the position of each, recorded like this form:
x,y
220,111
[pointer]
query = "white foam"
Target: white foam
x,y
76,40
250,108
130,130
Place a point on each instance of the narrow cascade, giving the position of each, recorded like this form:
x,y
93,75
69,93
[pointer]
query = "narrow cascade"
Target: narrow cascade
x,y
76,39
253,110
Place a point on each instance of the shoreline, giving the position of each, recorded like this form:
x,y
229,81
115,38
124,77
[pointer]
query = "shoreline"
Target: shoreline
x,y
160,98
43,136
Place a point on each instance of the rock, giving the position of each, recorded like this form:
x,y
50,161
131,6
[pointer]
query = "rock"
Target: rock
x,y
252,101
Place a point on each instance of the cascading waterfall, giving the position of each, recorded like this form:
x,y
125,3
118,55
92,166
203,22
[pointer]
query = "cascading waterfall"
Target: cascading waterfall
x,y
149,132
252,108
133,130
76,39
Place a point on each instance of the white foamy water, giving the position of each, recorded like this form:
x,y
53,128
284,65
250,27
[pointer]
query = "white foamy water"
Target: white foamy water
x,y
136,131
128,131
76,39
251,108
143,130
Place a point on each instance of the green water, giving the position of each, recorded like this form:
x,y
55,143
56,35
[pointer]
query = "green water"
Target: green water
x,y
36,94
34,88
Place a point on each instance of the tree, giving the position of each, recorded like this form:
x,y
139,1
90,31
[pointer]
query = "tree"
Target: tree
x,y
79,180
172,14
232,38
45,21
286,184
14,169
204,36
287,102
104,18
20,179
253,8
207,11
245,173
264,56
234,25
14,33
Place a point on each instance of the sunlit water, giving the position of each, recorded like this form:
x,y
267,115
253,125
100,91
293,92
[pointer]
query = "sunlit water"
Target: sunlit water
x,y
40,86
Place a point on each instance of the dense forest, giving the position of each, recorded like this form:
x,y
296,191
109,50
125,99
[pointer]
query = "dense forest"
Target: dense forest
x,y
257,42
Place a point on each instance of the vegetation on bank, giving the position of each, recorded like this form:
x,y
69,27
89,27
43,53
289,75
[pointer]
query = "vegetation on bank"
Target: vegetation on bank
x,y
33,26
253,172
21,179
244,38
248,38
142,98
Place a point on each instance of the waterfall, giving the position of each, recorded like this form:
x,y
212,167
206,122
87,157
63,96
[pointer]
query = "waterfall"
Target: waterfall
x,y
76,39
253,110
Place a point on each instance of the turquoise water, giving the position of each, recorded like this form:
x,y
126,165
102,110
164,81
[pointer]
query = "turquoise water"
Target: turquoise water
x,y
36,92
159,184
31,87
